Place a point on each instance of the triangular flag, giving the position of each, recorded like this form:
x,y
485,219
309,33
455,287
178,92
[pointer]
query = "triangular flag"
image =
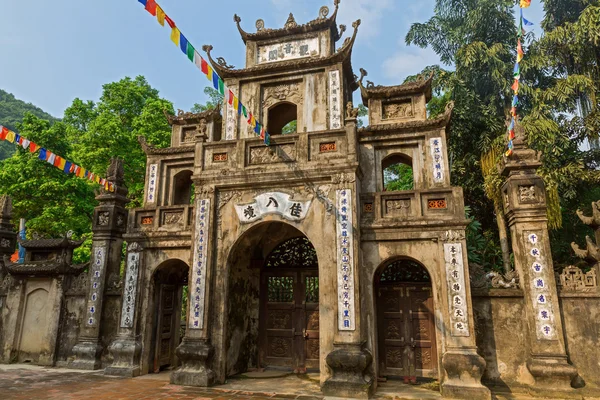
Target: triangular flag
x,y
517,70
190,52
525,3
515,100
169,21
160,15
515,87
520,52
257,129
527,23
244,111
151,6
215,79
512,124
175,34
267,138
143,2
221,87
183,42
210,75
236,104
262,133
231,96
203,64
10,137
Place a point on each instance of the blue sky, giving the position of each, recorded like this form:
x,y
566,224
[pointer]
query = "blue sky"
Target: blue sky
x,y
55,51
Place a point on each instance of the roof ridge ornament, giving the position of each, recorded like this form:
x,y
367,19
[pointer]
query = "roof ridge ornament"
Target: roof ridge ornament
x,y
323,12
260,25
291,22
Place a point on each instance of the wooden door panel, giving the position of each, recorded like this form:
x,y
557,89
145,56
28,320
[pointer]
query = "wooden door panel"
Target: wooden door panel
x,y
406,330
290,319
166,326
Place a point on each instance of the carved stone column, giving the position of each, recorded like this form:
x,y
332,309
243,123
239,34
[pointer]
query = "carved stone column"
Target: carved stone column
x,y
195,350
8,236
126,348
349,360
525,206
109,224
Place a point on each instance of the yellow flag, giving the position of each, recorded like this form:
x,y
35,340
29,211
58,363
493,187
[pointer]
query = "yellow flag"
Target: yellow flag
x,y
235,103
175,35
62,163
10,136
160,15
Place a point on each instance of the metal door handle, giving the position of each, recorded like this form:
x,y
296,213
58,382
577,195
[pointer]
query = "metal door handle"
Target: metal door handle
x,y
304,333
413,344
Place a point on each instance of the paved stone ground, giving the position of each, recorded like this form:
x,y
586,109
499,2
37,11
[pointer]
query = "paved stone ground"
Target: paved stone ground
x,y
30,382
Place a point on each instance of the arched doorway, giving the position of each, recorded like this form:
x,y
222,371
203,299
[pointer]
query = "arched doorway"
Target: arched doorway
x,y
405,321
169,283
272,301
289,318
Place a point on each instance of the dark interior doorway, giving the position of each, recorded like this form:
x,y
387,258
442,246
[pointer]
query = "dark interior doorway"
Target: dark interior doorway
x,y
170,285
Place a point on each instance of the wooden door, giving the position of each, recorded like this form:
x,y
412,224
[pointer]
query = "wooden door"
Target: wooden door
x,y
290,319
166,328
406,330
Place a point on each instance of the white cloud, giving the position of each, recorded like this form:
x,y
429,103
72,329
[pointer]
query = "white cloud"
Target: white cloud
x,y
370,12
407,61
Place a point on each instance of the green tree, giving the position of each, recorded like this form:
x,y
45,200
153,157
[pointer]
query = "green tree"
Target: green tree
x,y
51,201
12,111
109,128
215,99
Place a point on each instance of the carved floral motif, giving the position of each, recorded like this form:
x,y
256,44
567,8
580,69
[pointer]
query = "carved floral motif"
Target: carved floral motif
x,y
397,110
265,155
573,279
103,218
285,92
527,194
173,218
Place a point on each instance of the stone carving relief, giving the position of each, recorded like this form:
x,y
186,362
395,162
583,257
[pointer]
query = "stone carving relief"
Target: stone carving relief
x,y
323,12
285,92
260,25
113,283
397,110
103,218
453,236
397,207
573,279
265,155
527,194
173,218
5,284
342,179
351,112
280,347
509,280
5,243
5,206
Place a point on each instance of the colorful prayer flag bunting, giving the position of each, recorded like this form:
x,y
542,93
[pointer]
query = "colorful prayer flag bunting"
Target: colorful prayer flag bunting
x,y
186,47
44,154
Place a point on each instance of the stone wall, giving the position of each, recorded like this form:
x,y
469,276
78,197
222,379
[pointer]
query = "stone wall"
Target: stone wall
x,y
502,337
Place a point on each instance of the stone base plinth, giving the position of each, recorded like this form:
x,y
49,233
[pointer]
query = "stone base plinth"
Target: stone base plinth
x,y
464,368
125,352
348,363
194,355
87,355
553,376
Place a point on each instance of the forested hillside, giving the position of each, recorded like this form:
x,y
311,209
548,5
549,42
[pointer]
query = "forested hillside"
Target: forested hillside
x,y
12,111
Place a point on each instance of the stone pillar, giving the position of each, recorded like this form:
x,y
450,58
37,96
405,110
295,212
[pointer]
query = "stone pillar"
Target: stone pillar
x,y
349,361
8,236
195,351
108,226
525,206
126,348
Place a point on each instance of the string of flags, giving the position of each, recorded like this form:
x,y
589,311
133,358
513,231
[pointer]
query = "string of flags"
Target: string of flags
x,y
59,162
190,51
517,74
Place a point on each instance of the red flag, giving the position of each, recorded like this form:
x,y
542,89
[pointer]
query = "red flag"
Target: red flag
x,y
515,86
249,118
511,134
57,161
262,133
32,147
151,7
169,21
72,168
230,97
3,133
204,66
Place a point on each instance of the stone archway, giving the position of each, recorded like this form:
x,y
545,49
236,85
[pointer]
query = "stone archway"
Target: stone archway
x,y
169,282
273,311
405,320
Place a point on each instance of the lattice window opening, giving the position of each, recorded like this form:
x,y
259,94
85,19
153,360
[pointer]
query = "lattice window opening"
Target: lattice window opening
x,y
404,271
293,253
280,289
312,289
